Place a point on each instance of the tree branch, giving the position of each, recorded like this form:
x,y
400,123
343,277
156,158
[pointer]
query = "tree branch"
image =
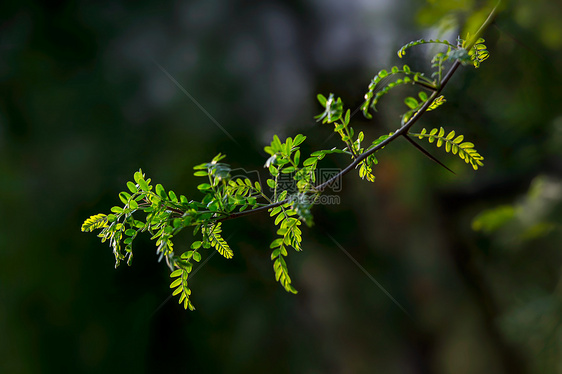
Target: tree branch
x,y
252,211
402,131
426,85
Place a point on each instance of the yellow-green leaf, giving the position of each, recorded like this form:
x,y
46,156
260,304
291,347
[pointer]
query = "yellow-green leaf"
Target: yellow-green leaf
x,y
176,283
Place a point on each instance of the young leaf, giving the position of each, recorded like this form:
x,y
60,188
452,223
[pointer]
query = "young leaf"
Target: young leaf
x,y
131,186
124,197
454,145
411,102
218,242
97,221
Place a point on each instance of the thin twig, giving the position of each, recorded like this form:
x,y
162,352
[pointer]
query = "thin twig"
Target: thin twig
x,y
426,85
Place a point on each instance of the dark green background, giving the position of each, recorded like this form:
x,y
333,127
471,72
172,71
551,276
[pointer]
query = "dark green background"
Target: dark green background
x,y
84,104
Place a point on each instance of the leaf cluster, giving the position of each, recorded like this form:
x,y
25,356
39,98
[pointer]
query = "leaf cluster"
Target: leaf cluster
x,y
474,55
453,144
290,236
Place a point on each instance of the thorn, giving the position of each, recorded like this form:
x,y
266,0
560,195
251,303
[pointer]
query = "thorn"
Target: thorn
x,y
429,155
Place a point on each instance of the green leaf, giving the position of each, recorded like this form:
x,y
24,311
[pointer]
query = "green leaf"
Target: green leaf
x,y
411,102
201,173
161,192
282,196
197,256
213,206
298,140
275,211
94,222
491,220
279,218
124,197
458,139
176,273
310,161
276,144
287,170
138,176
204,187
437,103
133,204
173,196
176,283
177,291
217,158
289,287
131,186
297,157
143,185
288,146
177,223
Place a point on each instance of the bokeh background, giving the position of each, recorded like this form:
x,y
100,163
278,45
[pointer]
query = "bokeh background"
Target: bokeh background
x,y
86,99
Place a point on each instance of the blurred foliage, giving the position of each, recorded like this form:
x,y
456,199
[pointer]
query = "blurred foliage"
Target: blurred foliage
x,y
83,103
532,218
